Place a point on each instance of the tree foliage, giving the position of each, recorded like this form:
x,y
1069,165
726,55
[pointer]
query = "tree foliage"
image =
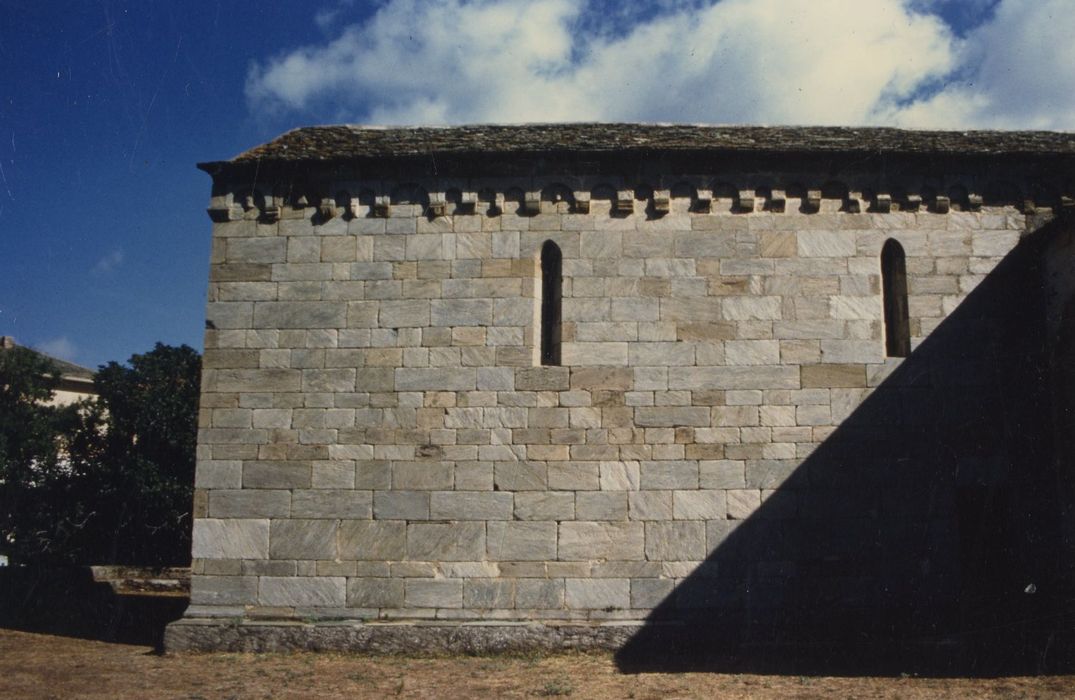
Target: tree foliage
x,y
106,481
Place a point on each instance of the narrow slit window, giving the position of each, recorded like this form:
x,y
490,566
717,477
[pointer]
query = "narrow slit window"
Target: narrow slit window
x,y
894,293
552,282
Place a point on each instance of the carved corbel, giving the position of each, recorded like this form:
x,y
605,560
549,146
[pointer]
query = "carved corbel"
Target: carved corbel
x,y
532,203
812,200
882,203
853,203
778,200
468,203
745,201
327,208
625,202
437,205
941,204
662,201
582,202
914,202
382,206
704,201
974,202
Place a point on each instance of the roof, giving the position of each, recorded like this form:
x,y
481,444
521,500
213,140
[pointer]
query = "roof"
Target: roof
x,y
350,142
68,370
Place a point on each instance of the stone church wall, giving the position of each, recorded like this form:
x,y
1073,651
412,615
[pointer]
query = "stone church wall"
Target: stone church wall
x,y
724,439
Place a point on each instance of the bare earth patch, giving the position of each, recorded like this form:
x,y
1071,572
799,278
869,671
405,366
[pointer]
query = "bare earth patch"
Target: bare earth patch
x,y
45,666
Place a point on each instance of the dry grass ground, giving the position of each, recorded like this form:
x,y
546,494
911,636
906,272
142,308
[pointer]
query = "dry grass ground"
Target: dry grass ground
x,y
47,666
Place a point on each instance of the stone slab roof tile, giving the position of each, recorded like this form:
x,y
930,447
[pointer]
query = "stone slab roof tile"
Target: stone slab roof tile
x,y
344,142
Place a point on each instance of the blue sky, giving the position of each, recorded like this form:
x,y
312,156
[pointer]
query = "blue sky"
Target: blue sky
x,y
106,106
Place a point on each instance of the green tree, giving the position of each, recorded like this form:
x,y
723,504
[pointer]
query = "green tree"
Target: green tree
x,y
35,475
103,482
134,458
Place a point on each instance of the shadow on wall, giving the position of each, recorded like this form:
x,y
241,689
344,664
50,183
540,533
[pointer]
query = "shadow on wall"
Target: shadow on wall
x,y
922,536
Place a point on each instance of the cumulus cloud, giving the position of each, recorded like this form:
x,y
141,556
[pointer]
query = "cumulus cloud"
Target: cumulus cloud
x,y
61,347
108,262
732,61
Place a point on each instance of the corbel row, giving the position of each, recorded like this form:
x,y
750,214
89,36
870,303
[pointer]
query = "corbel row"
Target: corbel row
x,y
226,206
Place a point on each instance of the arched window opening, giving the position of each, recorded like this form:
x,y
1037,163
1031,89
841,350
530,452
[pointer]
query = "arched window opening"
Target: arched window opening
x,y
894,293
552,282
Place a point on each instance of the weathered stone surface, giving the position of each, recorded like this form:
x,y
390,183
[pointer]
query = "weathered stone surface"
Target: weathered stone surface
x,y
325,503
250,503
224,590
428,593
522,541
675,541
601,540
311,591
597,594
372,540
446,541
471,505
374,593
302,539
233,538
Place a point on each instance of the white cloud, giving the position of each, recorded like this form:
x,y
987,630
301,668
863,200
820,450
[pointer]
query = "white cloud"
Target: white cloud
x,y
109,262
1016,71
61,347
733,61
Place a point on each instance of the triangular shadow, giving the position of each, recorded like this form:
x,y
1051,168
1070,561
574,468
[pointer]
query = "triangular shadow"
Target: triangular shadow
x,y
922,536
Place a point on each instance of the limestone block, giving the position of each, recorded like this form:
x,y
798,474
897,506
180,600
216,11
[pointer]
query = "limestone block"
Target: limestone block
x,y
650,505
600,505
675,541
750,308
218,474
852,351
669,474
619,476
372,540
539,594
580,541
375,593
422,476
573,476
489,594
545,505
834,375
304,591
249,503
230,539
693,309
594,353
276,475
354,505
302,539
743,502
471,505
435,379
597,594
722,474
254,380
461,312
825,244
299,314
648,593
752,352
699,505
670,416
223,590
463,541
522,541
752,377
769,473
429,593
401,505
521,476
